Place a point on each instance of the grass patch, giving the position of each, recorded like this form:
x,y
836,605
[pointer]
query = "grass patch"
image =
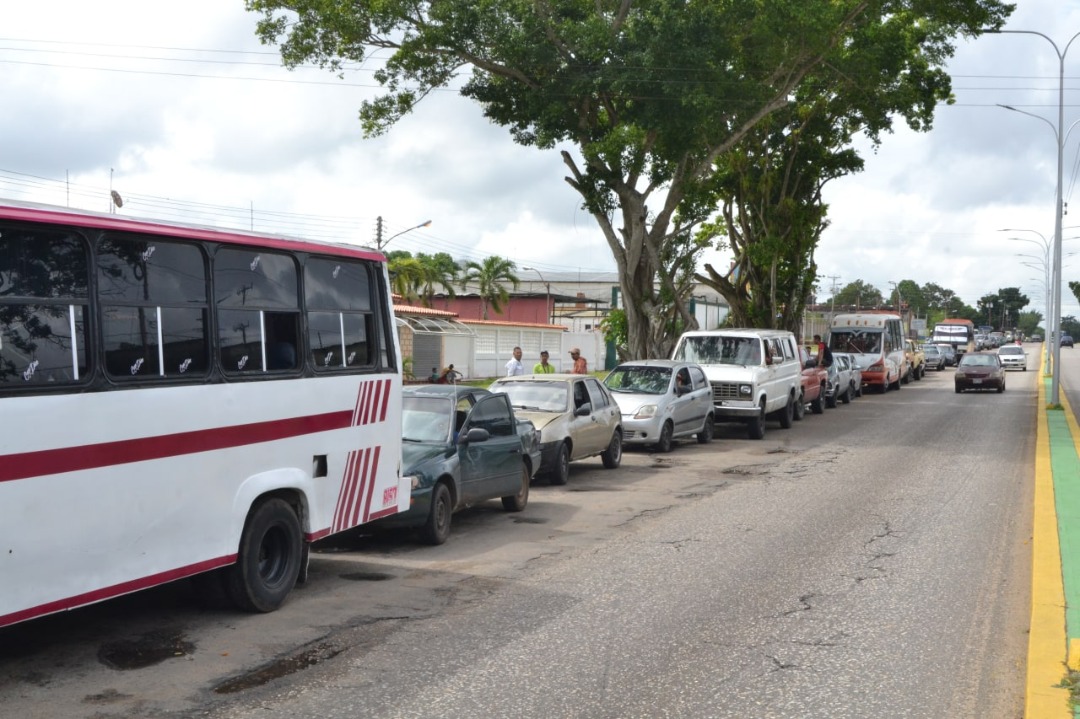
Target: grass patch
x,y
1071,682
1056,407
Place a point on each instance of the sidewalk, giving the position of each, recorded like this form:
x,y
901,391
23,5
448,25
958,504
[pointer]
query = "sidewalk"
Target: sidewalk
x,y
1054,641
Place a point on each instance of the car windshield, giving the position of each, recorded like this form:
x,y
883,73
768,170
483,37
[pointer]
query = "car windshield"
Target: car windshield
x,y
745,351
931,350
536,396
857,341
426,419
1011,351
978,360
639,380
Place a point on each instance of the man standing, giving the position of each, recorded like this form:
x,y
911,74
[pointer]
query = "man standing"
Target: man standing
x,y
824,354
514,366
580,365
542,367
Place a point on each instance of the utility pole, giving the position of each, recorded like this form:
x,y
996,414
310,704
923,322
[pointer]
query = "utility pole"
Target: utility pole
x,y
832,294
378,232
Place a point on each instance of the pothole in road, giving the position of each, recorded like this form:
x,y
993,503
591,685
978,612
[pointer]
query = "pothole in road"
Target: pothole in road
x,y
529,520
147,650
277,669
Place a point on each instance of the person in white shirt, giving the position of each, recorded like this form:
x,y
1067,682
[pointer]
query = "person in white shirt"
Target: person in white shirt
x,y
514,366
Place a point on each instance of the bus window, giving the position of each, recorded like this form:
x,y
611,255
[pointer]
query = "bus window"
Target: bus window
x,y
153,308
44,295
341,327
257,303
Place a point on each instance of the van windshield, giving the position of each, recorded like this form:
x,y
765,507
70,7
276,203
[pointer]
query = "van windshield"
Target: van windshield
x,y
745,351
855,341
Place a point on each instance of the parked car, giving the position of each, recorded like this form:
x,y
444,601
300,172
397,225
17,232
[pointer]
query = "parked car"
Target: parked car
x,y
662,400
950,354
461,446
1066,341
935,358
841,386
980,370
1012,356
577,417
856,373
815,384
754,373
916,361
1036,338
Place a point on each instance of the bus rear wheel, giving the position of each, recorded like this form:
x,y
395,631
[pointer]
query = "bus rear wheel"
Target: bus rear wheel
x,y
268,561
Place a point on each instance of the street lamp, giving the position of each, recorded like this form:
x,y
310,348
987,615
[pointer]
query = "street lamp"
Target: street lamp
x,y
380,243
548,309
1060,137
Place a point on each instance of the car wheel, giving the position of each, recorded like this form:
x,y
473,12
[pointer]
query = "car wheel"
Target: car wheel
x,y
756,427
664,443
706,434
436,529
830,402
958,390
612,456
846,399
800,407
1001,387
268,560
906,377
817,406
787,414
517,502
561,472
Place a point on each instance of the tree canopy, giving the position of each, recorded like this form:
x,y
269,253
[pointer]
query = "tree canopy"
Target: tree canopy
x,y
649,94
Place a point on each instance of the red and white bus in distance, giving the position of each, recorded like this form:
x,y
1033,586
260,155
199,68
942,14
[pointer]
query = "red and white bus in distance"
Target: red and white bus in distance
x,y
182,401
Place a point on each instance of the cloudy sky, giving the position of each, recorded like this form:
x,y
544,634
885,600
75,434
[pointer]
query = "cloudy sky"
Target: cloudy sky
x,y
180,110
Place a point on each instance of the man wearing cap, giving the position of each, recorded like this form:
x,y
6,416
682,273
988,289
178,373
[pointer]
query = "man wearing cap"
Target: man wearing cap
x,y
580,365
542,367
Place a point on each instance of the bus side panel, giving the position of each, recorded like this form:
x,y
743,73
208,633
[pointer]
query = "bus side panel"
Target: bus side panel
x,y
163,479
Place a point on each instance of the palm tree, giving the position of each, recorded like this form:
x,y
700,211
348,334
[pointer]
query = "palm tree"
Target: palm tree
x,y
488,276
406,276
439,270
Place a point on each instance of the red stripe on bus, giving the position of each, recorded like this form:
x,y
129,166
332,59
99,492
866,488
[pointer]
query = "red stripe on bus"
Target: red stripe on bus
x,y
366,479
343,492
108,454
359,409
371,486
385,401
115,590
350,495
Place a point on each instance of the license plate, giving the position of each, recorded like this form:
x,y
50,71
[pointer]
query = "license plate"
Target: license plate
x,y
976,381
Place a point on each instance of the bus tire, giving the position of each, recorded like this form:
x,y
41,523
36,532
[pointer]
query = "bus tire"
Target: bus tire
x,y
268,561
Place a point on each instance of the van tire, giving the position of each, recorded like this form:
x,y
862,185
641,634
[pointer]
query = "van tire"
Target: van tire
x,y
787,414
756,427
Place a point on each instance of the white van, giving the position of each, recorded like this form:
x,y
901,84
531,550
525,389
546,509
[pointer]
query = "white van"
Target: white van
x,y
755,374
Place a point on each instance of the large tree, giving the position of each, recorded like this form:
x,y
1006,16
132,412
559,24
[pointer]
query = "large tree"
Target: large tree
x,y
858,295
648,93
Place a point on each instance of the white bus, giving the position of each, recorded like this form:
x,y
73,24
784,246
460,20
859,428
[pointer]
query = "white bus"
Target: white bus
x,y
875,340
182,401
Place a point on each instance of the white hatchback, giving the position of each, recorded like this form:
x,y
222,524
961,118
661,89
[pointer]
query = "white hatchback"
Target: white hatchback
x,y
1012,356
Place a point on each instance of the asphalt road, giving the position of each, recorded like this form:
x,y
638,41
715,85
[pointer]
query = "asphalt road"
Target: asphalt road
x,y
870,562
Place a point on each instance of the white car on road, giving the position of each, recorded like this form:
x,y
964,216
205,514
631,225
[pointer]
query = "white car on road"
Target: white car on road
x,y
1012,356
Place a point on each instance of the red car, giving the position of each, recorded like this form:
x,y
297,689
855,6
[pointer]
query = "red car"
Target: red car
x,y
814,382
980,370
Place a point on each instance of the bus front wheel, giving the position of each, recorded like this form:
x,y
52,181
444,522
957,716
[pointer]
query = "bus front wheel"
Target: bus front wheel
x,y
268,562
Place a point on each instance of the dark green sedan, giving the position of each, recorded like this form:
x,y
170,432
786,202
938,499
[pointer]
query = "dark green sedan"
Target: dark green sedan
x,y
461,446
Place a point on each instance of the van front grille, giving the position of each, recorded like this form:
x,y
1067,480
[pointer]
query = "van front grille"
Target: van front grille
x,y
725,390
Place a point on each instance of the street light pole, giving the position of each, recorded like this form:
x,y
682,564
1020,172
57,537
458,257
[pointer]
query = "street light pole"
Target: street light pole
x,y
1053,312
1055,348
380,243
548,309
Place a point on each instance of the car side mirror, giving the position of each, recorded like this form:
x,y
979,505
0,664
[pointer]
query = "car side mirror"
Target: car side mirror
x,y
681,390
475,434
768,359
584,410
